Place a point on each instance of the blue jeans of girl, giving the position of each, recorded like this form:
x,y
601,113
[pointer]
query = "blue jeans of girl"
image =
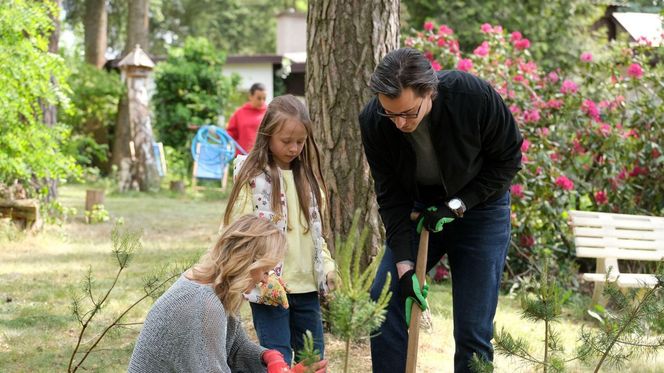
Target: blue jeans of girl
x,y
282,329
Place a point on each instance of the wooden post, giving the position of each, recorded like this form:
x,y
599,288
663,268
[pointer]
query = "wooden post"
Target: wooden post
x,y
93,197
416,311
193,175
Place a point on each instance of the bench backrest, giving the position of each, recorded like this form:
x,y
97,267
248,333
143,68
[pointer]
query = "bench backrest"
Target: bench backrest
x,y
602,235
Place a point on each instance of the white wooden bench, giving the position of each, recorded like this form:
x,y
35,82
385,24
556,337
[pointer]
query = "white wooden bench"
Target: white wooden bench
x,y
612,237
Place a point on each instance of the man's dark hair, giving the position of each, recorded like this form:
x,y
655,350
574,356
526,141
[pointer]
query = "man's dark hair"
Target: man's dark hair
x,y
256,87
404,68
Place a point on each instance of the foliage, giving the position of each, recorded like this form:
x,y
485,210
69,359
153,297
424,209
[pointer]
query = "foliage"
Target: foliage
x,y
57,213
190,90
622,335
87,306
557,28
239,27
176,162
309,354
592,136
352,313
94,106
28,148
98,214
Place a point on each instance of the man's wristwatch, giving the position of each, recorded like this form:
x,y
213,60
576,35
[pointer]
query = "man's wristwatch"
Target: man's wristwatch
x,y
457,207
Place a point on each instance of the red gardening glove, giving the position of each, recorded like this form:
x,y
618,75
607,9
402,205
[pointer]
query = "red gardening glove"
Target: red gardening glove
x,y
318,367
275,362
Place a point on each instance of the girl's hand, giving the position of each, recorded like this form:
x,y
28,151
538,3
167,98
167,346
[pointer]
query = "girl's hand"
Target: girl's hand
x,y
331,280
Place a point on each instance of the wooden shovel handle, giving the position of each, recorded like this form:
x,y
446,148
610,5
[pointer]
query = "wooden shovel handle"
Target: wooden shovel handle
x,y
416,311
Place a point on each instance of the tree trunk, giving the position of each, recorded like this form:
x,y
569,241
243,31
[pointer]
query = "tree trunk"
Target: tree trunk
x,y
345,41
95,26
50,111
137,33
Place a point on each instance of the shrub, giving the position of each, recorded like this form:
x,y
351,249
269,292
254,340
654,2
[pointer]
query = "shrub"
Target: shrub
x,y
592,136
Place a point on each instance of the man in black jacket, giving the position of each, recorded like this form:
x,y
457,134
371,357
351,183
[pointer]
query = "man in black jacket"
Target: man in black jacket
x,y
442,146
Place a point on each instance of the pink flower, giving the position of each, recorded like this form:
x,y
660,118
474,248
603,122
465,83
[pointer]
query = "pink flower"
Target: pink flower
x,y
553,77
568,87
522,44
600,197
515,109
498,29
538,170
604,129
519,78
528,67
524,158
441,274
465,64
564,183
638,170
635,71
435,65
527,241
531,116
586,57
482,50
525,145
428,55
409,42
554,157
454,46
517,190
444,30
516,35
544,131
589,107
554,104
486,28
577,148
441,42
428,26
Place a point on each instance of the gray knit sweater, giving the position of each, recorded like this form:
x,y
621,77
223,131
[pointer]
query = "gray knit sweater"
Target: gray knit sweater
x,y
188,330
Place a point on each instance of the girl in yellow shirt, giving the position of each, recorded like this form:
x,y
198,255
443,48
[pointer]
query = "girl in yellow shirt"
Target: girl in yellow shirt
x,y
281,180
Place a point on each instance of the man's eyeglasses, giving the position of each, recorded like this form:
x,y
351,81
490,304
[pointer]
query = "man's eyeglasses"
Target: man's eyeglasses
x,y
382,113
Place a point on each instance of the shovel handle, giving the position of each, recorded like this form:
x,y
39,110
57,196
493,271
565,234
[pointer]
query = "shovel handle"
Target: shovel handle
x,y
416,311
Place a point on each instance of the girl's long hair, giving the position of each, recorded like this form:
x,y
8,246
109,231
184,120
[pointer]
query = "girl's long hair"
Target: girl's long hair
x,y
249,243
306,167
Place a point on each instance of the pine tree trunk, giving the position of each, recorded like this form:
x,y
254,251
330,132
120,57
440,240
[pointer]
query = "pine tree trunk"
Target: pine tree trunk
x,y
95,26
137,33
345,41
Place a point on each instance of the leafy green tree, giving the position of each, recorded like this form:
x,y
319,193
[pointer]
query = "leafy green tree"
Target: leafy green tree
x,y
190,90
557,28
30,150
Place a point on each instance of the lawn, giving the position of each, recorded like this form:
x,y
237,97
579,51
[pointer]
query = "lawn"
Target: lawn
x,y
38,274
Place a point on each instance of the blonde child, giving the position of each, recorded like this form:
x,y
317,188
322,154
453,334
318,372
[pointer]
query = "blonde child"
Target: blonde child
x,y
193,327
280,180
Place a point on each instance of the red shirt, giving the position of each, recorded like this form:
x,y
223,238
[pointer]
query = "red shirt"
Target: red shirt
x,y
243,125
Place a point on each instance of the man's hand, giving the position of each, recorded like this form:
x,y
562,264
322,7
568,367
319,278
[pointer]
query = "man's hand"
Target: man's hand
x,y
409,291
434,217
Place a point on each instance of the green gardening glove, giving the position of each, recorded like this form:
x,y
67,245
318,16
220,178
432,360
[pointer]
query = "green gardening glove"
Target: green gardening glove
x,y
410,292
433,218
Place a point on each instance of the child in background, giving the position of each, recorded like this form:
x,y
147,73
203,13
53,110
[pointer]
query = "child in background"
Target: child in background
x,y
193,326
281,180
244,122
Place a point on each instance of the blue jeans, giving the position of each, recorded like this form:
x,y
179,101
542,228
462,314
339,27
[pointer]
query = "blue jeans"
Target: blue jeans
x,y
282,329
476,246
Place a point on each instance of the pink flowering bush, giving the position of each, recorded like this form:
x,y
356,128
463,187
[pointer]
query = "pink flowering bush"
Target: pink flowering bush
x,y
593,136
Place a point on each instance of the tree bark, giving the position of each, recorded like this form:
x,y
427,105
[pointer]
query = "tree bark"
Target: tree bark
x,y
95,26
137,33
345,41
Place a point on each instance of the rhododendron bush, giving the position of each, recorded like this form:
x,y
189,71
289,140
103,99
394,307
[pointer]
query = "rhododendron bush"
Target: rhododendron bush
x,y
593,136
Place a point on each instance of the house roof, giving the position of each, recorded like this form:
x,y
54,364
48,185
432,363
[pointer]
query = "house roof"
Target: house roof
x,y
298,60
642,25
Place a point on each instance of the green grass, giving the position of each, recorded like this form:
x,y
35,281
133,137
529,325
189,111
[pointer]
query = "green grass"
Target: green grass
x,y
39,272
